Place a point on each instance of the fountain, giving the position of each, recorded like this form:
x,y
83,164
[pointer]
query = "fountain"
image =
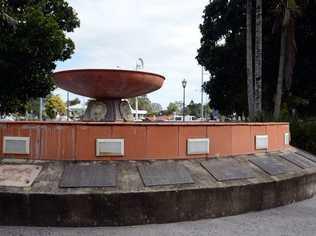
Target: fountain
x,y
108,87
172,171
108,123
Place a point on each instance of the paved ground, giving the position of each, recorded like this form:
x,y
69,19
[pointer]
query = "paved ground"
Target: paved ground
x,y
296,219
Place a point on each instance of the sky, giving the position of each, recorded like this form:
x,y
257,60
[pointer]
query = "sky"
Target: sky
x,y
164,33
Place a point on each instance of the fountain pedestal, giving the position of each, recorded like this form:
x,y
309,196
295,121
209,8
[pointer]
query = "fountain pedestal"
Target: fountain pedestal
x,y
108,110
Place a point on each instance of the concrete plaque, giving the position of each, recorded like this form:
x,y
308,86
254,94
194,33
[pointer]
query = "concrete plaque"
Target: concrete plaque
x,y
164,174
91,175
227,169
270,165
298,160
15,175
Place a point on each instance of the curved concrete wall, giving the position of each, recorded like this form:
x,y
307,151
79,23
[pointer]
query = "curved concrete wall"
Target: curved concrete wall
x,y
142,141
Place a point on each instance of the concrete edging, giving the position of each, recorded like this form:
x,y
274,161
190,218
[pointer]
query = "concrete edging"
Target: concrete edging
x,y
113,209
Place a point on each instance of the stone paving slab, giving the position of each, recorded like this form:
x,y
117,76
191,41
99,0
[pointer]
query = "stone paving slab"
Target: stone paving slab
x,y
298,160
128,177
164,174
306,155
18,175
271,165
94,175
227,169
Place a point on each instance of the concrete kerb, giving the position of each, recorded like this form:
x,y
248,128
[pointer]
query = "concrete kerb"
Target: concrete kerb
x,y
113,209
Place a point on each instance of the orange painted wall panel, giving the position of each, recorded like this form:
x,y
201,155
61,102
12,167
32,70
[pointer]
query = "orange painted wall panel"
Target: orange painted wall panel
x,y
58,142
134,140
276,138
162,142
220,140
241,140
2,127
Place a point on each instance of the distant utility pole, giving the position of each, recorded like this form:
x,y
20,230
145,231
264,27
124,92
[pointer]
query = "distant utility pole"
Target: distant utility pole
x,y
202,110
41,109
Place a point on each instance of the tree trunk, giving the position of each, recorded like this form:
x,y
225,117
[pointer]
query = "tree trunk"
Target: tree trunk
x,y
250,61
258,60
279,89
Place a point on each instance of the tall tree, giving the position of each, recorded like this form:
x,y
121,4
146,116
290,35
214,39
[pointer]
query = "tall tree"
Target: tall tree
x,y
258,60
223,55
226,59
286,12
250,93
29,51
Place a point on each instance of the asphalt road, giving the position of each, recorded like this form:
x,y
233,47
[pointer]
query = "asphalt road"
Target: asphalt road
x,y
296,219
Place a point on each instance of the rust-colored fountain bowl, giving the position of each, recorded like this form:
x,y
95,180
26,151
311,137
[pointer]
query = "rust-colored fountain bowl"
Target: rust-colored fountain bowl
x,y
107,83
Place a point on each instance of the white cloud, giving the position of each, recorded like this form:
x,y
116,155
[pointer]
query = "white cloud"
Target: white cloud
x,y
164,33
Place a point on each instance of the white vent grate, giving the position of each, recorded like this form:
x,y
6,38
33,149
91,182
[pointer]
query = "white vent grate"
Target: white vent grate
x,y
261,142
110,147
16,145
198,146
287,138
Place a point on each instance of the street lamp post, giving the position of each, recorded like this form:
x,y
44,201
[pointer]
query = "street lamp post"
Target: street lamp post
x,y
184,84
68,106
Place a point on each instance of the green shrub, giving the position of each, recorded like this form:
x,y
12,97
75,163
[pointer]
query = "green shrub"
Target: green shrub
x,y
303,135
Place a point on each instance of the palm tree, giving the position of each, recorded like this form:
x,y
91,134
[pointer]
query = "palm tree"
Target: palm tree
x,y
250,61
286,13
258,60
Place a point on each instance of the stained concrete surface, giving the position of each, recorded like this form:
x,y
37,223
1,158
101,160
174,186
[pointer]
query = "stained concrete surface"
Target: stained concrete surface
x,y
130,202
295,219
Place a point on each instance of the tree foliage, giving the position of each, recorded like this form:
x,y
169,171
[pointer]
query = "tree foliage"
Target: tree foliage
x,y
223,20
223,54
33,107
54,105
174,107
29,51
194,109
156,108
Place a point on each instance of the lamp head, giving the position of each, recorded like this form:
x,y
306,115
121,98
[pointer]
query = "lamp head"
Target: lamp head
x,y
184,83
